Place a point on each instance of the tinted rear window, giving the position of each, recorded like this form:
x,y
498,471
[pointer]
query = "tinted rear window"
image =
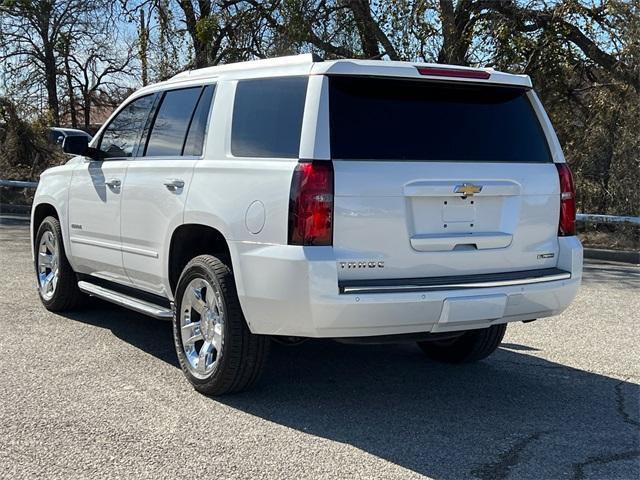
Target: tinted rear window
x,y
384,119
267,117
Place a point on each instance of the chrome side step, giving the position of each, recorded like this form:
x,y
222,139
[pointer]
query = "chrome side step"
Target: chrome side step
x,y
126,301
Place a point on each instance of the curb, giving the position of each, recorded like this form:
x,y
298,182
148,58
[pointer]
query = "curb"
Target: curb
x,y
613,255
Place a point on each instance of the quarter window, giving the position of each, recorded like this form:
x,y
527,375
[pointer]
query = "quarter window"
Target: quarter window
x,y
122,135
267,117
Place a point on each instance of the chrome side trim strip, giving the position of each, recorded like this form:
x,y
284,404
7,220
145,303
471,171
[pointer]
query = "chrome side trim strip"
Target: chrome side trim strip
x,y
95,243
454,286
140,251
114,246
126,301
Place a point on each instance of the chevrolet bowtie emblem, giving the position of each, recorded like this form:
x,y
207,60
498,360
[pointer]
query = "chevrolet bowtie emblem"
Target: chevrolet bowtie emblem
x,y
467,189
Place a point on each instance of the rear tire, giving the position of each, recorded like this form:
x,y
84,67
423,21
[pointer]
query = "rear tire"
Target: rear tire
x,y
217,352
472,346
56,280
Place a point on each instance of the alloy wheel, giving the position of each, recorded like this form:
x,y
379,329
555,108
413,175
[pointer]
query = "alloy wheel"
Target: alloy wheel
x,y
48,270
202,327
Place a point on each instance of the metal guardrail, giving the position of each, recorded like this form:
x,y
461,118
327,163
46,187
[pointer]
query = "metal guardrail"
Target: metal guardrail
x,y
17,184
594,218
15,211
580,217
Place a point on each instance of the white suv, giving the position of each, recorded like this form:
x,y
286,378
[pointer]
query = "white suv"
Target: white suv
x,y
292,198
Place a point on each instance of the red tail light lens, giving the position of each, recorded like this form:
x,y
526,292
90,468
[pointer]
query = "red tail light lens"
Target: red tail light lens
x,y
454,72
311,204
567,224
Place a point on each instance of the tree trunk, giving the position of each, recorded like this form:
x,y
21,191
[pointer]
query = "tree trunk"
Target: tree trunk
x,y
143,49
366,32
456,38
201,59
50,73
87,110
606,168
72,97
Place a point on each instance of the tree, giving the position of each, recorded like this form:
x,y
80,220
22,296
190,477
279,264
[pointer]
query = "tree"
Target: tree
x,y
31,30
99,70
567,20
64,48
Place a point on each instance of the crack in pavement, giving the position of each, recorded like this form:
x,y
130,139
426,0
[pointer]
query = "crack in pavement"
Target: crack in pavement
x,y
502,466
534,364
626,376
578,468
620,401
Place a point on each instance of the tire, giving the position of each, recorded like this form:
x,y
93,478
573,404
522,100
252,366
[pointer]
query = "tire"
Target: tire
x,y
472,346
56,280
208,318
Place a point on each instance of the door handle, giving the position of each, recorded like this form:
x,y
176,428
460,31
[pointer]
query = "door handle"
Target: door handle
x,y
113,183
174,184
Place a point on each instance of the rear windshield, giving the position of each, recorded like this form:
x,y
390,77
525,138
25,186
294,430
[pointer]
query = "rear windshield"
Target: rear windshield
x,y
389,119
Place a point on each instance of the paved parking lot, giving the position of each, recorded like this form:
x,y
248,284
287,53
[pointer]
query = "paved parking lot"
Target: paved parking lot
x,y
99,394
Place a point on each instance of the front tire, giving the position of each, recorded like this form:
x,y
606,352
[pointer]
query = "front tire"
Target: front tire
x,y
57,282
472,346
217,352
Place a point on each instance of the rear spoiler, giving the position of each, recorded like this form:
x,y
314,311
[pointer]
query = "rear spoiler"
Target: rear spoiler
x,y
407,70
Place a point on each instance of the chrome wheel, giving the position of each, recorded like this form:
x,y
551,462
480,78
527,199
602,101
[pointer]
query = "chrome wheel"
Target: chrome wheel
x,y
48,272
202,327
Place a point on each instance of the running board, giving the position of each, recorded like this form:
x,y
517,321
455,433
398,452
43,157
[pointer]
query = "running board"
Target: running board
x,y
126,301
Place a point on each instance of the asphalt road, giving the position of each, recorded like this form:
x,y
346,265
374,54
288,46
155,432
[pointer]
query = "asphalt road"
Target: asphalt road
x,y
99,394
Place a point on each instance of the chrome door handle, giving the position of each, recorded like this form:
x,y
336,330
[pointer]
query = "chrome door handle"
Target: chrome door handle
x,y
174,184
113,183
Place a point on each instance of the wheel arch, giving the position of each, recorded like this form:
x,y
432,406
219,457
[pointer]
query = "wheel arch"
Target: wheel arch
x,y
190,240
40,212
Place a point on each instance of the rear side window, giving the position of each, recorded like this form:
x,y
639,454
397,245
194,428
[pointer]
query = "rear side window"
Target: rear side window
x,y
172,121
267,117
389,119
122,136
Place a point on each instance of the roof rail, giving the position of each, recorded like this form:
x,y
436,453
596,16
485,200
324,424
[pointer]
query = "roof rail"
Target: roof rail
x,y
302,59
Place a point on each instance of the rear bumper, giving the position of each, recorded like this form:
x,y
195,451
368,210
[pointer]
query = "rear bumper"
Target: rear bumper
x,y
288,290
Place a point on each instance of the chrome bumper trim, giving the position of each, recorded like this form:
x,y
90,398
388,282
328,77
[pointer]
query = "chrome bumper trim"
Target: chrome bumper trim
x,y
409,287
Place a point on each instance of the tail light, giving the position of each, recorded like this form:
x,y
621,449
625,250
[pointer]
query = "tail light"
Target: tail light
x,y
311,204
567,224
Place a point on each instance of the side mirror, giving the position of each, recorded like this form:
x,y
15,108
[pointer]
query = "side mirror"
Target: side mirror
x,y
77,145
